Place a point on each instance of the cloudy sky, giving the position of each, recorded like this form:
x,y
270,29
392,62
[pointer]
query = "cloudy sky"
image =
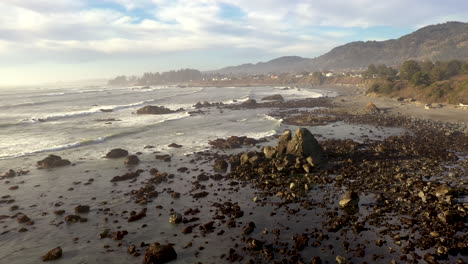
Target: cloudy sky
x,y
62,40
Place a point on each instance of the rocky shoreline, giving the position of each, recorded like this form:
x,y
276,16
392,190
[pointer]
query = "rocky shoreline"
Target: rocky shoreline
x,y
297,198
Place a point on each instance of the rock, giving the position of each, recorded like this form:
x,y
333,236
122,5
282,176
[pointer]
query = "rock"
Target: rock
x,y
275,97
135,217
350,199
133,251
442,190
269,152
9,174
82,209
233,142
24,219
340,260
165,157
370,107
175,218
304,144
316,260
132,160
52,161
249,103
126,176
158,254
53,254
75,219
156,110
220,165
174,145
248,229
117,153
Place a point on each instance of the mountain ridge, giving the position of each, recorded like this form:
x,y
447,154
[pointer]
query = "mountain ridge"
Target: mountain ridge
x,y
442,42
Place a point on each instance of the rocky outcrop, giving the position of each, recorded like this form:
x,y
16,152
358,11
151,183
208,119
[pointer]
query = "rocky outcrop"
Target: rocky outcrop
x,y
303,144
159,254
156,110
117,153
275,97
175,145
207,104
52,161
53,254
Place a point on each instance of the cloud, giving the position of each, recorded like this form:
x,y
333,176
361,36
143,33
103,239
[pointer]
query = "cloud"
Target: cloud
x,y
72,31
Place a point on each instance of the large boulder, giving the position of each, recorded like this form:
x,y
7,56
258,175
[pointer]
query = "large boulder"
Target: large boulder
x,y
52,161
117,153
158,254
304,144
156,110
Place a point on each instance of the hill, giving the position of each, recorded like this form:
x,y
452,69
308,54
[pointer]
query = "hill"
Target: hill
x,y
443,42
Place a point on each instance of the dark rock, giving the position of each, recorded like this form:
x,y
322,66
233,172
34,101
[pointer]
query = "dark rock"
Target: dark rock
x,y
127,176
156,110
275,97
53,254
165,157
24,219
158,254
52,161
220,165
174,145
75,219
9,174
135,217
117,153
248,229
132,160
233,142
133,251
82,209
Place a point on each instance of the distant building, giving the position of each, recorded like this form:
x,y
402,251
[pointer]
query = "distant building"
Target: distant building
x,y
329,74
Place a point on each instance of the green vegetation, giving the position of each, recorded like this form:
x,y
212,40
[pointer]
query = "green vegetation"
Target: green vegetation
x,y
425,81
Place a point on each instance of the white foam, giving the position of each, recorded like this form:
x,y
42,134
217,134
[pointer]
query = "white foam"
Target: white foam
x,y
90,111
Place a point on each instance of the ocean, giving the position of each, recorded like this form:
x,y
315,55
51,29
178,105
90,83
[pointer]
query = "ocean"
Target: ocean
x,y
70,121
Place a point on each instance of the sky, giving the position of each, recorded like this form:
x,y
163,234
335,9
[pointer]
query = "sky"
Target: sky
x,y
63,40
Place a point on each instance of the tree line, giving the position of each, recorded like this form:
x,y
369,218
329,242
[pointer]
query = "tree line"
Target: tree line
x,y
156,78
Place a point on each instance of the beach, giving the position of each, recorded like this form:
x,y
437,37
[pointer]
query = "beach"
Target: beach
x,y
232,201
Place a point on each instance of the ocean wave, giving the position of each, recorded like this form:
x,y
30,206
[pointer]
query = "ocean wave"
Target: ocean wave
x,y
93,110
259,135
93,141
25,104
